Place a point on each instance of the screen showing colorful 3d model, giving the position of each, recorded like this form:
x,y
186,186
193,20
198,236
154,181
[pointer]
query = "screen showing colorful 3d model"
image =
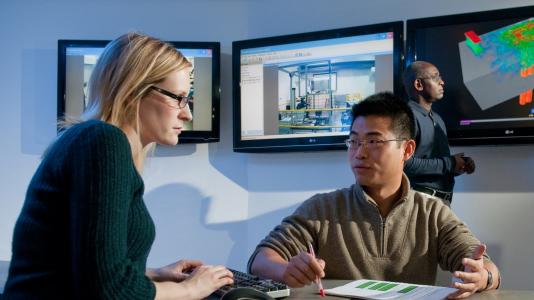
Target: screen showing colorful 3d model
x,y
486,60
499,65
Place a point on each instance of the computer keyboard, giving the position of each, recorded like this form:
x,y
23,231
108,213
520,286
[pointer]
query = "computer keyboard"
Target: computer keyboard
x,y
270,287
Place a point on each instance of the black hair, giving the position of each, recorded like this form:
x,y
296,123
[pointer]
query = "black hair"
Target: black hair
x,y
387,104
415,70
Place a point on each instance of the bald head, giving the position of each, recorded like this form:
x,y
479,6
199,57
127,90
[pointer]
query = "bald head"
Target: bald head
x,y
413,80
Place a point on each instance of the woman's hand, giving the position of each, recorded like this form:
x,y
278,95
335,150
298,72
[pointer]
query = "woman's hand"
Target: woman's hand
x,y
206,279
175,272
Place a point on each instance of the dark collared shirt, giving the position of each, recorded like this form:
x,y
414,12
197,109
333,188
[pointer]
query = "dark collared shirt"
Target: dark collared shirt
x,y
432,164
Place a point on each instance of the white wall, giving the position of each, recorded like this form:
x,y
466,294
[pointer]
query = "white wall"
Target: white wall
x,y
207,201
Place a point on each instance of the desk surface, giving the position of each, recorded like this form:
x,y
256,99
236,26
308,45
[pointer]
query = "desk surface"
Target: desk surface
x,y
310,292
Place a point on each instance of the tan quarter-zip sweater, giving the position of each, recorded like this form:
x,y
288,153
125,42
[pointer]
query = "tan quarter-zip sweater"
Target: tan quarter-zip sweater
x,y
348,232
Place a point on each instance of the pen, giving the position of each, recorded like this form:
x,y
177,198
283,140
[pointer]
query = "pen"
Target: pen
x,y
319,283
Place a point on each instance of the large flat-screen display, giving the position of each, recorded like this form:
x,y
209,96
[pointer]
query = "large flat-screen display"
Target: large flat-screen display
x,y
486,60
77,58
295,92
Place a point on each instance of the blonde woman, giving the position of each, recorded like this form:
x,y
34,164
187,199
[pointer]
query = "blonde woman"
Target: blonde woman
x,y
84,231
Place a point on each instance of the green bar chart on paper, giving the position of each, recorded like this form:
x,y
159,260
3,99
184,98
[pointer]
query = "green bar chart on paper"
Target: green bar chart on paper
x,y
382,290
383,286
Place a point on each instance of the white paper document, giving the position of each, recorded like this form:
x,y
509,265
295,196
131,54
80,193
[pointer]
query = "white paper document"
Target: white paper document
x,y
377,289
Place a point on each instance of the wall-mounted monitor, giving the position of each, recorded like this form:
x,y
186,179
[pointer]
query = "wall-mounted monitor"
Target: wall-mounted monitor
x,y
76,60
486,60
295,92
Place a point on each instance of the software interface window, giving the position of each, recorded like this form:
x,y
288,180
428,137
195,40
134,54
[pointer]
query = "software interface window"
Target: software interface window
x,y
307,88
81,61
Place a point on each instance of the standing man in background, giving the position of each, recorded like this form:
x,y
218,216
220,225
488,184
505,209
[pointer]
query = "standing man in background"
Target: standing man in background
x,y
432,168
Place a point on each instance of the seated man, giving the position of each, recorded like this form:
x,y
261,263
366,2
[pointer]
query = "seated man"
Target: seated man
x,y
378,228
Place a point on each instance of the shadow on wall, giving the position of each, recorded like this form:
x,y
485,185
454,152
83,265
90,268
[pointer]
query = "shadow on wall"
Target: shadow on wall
x,y
38,100
179,212
232,164
4,270
171,151
239,231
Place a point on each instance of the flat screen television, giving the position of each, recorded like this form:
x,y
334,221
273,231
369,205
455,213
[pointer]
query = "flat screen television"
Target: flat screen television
x,y
76,60
295,92
486,60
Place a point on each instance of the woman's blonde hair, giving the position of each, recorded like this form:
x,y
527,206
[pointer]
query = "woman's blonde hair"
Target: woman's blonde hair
x,y
122,76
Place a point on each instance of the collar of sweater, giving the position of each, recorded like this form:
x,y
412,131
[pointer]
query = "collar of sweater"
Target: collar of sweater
x,y
405,190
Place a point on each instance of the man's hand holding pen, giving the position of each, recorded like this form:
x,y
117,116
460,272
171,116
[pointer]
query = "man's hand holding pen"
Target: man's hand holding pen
x,y
303,269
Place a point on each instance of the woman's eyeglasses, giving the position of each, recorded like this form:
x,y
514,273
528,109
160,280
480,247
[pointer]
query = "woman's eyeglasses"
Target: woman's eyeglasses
x,y
182,100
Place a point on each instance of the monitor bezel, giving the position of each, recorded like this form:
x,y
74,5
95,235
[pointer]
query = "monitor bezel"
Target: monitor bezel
x,y
198,136
471,137
305,143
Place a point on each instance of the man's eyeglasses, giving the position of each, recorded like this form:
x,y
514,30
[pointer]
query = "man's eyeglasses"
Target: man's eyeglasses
x,y
182,100
436,78
369,144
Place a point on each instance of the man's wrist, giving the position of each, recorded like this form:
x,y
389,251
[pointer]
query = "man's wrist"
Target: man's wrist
x,y
489,281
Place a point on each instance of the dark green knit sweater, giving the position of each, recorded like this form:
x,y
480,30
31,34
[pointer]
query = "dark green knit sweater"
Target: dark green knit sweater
x,y
84,231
